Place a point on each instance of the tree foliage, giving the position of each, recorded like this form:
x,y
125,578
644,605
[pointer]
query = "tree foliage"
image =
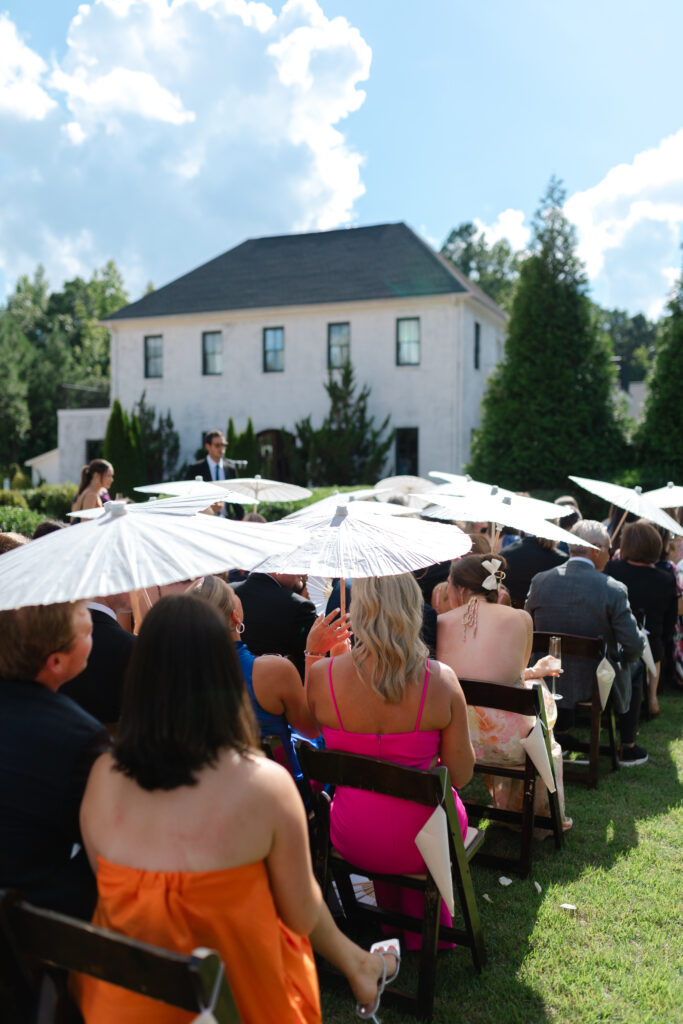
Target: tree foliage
x,y
634,340
549,408
495,268
658,439
62,354
347,448
244,446
122,449
158,442
14,410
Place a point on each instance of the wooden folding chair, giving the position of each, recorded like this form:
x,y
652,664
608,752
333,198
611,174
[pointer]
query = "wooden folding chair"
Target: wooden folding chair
x,y
521,701
431,788
32,939
586,773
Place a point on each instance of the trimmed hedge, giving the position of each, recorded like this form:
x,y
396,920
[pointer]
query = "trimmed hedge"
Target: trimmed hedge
x,y
14,498
19,520
52,500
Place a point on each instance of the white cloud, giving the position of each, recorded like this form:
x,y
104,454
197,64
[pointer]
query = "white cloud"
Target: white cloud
x,y
178,128
634,216
510,225
21,71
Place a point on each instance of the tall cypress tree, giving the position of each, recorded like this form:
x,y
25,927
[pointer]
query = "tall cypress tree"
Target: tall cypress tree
x,y
658,439
122,449
549,409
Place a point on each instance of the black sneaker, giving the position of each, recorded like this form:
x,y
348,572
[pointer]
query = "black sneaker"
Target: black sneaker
x,y
630,756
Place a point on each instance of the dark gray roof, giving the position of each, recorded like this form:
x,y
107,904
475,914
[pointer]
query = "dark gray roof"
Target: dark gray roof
x,y
380,262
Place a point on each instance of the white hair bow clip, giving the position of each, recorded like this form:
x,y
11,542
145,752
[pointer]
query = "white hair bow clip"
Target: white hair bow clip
x,y
495,577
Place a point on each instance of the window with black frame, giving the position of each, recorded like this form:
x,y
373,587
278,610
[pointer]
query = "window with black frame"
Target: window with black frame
x,y
212,353
154,355
273,349
408,341
406,451
338,345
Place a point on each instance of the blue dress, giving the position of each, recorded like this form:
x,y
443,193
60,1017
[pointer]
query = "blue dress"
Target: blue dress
x,y
269,724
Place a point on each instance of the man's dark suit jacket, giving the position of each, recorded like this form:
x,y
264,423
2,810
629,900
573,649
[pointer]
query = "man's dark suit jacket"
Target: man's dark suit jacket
x,y
576,598
202,469
99,687
524,559
276,620
47,747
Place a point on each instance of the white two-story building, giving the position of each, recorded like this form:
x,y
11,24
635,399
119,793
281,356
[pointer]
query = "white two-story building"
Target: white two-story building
x,y
254,332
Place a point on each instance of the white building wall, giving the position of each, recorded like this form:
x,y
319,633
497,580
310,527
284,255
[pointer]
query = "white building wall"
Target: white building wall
x,y
429,396
75,427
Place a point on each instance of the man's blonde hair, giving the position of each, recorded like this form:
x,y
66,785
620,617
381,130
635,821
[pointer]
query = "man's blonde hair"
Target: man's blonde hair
x,y
30,635
386,619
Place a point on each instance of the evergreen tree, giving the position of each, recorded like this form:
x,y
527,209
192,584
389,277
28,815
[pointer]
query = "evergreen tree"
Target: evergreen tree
x,y
14,410
658,439
244,446
159,443
348,448
121,448
549,409
495,267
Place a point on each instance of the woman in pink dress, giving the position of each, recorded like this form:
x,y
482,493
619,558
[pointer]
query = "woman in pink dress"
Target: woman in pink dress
x,y
386,699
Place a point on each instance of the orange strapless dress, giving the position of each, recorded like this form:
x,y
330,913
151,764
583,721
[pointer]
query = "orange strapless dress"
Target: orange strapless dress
x,y
271,969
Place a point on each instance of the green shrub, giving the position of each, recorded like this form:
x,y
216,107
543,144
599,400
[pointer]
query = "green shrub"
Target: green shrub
x,y
13,498
19,520
52,500
21,481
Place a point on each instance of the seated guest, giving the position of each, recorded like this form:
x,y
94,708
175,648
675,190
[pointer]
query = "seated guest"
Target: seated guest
x,y
11,540
483,639
274,685
386,699
578,598
652,591
47,526
481,545
47,746
98,688
199,840
428,631
276,618
525,558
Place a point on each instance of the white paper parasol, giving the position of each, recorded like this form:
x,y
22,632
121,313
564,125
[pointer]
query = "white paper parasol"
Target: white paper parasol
x,y
631,499
670,496
327,506
122,551
502,510
258,489
467,487
188,505
217,490
348,543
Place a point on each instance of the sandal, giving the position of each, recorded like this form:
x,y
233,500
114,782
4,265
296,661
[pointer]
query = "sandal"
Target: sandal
x,y
388,947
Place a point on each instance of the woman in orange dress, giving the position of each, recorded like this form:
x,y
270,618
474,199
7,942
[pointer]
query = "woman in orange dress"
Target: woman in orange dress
x,y
198,840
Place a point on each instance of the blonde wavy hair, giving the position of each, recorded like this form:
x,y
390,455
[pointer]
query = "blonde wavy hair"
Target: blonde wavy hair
x,y
216,592
386,619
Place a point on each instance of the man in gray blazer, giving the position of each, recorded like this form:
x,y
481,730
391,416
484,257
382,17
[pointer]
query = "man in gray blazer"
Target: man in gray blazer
x,y
576,597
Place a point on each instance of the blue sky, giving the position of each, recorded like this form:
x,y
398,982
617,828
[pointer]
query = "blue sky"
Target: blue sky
x,y
162,132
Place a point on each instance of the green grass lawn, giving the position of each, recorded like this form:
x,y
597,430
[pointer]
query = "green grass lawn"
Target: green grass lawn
x,y
619,959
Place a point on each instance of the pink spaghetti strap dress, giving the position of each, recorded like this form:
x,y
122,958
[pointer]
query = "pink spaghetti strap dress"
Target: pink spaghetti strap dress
x,y
378,832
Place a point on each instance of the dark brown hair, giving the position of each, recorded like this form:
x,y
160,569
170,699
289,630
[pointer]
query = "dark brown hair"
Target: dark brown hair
x,y
30,634
640,542
469,572
184,698
87,473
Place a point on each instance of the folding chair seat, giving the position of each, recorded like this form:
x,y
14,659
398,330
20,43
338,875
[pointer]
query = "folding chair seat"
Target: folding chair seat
x,y
431,788
32,939
521,701
586,772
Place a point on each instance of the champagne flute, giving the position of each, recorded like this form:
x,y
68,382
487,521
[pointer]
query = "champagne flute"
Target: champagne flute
x,y
555,651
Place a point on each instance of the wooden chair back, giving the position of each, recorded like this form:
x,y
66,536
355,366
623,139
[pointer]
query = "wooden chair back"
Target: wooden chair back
x,y
520,701
33,938
431,788
586,772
